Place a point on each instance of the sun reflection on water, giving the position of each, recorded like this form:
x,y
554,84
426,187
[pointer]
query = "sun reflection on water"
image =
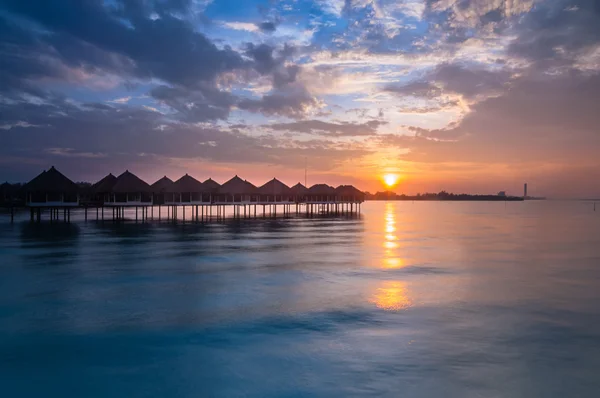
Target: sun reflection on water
x,y
391,240
393,262
392,296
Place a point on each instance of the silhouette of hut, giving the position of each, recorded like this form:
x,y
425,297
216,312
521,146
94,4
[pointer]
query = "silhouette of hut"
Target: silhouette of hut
x,y
348,193
159,189
186,190
237,190
299,192
129,190
211,186
274,191
103,188
9,194
320,193
51,189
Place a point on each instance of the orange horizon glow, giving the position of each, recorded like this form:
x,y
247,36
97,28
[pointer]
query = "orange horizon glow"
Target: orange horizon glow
x,y
390,180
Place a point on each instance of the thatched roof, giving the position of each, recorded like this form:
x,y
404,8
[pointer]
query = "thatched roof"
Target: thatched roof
x,y
130,183
162,185
186,184
105,185
347,190
321,189
274,187
51,181
211,185
299,189
237,186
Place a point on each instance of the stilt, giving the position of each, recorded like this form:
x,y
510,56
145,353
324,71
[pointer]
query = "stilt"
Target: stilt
x,y
12,214
136,213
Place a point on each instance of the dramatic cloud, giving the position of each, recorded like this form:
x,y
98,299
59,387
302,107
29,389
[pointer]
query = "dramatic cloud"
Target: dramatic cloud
x,y
329,129
484,89
541,119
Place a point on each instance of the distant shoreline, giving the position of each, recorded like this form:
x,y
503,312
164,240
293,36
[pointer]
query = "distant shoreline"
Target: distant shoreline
x,y
478,199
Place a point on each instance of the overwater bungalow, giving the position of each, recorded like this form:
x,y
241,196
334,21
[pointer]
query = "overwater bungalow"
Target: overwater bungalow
x,y
237,190
299,192
129,190
187,191
211,186
51,189
159,189
275,191
102,189
9,194
320,193
349,194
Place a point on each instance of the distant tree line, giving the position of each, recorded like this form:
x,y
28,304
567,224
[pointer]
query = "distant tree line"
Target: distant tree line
x,y
442,195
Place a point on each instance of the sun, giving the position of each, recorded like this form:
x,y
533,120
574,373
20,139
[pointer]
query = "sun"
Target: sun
x,y
390,179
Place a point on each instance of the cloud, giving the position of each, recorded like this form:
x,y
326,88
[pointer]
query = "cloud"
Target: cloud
x,y
267,27
167,48
17,124
487,82
551,36
318,127
70,152
541,119
108,136
122,100
334,7
415,89
247,26
199,105
294,102
469,82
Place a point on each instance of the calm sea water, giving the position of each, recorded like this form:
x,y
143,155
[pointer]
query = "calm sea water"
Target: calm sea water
x,y
408,300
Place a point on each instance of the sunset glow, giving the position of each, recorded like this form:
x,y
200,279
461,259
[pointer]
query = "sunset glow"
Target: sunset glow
x,y
467,97
390,180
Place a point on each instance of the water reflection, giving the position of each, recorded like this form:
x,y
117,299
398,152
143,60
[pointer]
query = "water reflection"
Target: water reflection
x,y
393,262
390,259
392,296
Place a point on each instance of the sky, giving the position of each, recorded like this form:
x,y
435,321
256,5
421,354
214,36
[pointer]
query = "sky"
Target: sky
x,y
474,96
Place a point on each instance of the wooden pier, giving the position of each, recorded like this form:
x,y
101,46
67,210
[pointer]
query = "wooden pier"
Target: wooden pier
x,y
185,213
54,197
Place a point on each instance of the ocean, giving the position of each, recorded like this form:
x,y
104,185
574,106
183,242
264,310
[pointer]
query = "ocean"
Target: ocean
x,y
424,299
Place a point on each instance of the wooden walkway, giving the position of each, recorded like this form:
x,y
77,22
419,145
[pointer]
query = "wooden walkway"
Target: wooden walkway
x,y
185,213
